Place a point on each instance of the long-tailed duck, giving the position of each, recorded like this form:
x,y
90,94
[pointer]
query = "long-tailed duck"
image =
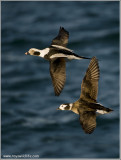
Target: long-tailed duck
x,y
87,105
56,54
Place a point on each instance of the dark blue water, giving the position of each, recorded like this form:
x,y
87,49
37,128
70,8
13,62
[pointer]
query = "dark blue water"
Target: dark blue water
x,y
30,122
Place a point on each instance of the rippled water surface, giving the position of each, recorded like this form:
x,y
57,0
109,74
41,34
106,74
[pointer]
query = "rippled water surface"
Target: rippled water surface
x,y
30,122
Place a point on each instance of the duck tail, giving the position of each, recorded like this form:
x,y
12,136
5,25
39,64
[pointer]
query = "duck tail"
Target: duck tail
x,y
81,57
104,110
75,56
101,109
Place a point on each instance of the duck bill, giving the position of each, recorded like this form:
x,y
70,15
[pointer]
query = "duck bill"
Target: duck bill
x,y
58,109
27,53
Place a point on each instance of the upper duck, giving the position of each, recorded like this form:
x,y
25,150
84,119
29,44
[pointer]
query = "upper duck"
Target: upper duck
x,y
56,54
87,105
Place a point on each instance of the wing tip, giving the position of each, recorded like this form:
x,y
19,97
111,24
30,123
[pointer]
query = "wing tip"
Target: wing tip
x,y
57,94
89,130
63,29
94,65
58,90
94,58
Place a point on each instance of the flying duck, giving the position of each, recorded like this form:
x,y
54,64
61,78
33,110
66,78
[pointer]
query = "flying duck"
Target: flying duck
x,y
87,106
56,54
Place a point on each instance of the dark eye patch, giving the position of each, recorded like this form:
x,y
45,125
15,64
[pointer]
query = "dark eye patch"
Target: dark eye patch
x,y
36,53
67,108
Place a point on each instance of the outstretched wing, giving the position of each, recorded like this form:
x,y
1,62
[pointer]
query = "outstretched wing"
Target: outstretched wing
x,y
88,121
58,74
62,38
89,86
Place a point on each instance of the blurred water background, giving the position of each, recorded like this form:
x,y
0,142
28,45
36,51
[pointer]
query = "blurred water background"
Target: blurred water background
x,y
30,122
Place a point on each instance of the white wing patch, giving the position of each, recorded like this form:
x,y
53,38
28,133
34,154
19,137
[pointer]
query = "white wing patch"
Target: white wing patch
x,y
58,55
64,55
61,47
101,111
73,57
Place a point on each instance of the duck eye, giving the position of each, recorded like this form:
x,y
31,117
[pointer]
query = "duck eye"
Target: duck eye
x,y
36,53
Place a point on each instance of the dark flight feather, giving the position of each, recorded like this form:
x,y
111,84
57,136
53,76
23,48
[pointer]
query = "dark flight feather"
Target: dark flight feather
x,y
89,86
62,38
88,121
58,74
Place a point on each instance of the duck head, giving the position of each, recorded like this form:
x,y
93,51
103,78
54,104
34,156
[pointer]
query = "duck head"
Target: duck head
x,y
37,52
67,106
34,52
